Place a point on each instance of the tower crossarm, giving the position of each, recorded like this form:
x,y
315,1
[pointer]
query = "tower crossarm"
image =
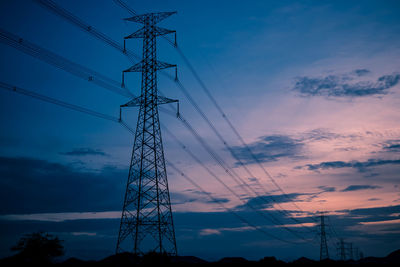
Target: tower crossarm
x,y
156,30
159,65
157,17
137,101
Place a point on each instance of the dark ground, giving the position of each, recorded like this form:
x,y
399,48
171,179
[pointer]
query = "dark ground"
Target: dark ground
x,y
153,259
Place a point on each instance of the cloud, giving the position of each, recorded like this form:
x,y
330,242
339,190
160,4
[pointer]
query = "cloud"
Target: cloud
x,y
392,146
31,185
218,200
207,231
360,187
62,216
320,135
327,188
361,72
344,85
374,199
183,198
374,214
359,165
269,148
268,201
84,152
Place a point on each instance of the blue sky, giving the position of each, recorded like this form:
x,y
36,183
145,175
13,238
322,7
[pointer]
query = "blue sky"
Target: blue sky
x,y
312,86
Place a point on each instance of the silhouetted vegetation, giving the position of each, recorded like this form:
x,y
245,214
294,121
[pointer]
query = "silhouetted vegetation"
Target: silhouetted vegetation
x,y
38,247
156,259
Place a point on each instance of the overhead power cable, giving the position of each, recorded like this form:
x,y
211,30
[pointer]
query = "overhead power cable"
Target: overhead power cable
x,y
241,218
332,229
15,89
231,150
240,181
125,6
232,127
245,201
58,10
32,94
220,162
35,95
208,93
67,65
76,21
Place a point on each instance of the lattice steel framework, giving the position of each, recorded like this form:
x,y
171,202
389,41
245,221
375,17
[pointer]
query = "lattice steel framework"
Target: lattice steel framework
x,y
324,254
146,221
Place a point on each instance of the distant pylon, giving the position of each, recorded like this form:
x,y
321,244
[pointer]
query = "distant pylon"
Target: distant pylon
x,y
356,254
342,249
146,221
351,254
324,253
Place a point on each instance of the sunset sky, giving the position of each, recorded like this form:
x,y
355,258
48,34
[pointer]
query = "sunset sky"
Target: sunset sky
x,y
313,87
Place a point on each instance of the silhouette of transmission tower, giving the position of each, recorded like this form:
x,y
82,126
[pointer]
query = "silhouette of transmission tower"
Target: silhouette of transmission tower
x,y
324,254
146,221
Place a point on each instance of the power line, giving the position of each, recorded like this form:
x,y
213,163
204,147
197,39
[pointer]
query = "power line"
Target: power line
x,y
227,146
221,163
44,98
77,22
60,62
58,10
124,5
208,93
215,156
223,206
19,90
232,127
192,155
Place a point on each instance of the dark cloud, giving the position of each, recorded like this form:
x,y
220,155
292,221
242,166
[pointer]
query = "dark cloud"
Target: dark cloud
x,y
270,148
181,198
342,85
193,196
361,72
375,214
359,165
267,201
30,185
320,135
84,152
392,146
374,199
359,187
218,200
327,188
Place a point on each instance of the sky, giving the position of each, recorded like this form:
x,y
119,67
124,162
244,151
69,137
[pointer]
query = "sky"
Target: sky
x,y
313,88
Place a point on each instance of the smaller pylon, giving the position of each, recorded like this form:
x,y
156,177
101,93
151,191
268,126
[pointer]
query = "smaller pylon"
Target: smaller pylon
x,y
351,254
324,253
356,254
341,249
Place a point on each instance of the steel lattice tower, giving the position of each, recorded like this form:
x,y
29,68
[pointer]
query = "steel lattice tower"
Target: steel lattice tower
x,y
146,221
342,249
324,254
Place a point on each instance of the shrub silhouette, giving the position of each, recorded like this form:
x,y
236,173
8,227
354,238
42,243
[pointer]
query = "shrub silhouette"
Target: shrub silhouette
x,y
39,247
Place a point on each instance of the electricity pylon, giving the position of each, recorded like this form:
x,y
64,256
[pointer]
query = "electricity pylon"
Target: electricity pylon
x,y
324,254
146,221
351,254
342,249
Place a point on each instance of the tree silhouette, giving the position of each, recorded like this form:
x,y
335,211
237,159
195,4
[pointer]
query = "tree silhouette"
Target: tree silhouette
x,y
39,247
